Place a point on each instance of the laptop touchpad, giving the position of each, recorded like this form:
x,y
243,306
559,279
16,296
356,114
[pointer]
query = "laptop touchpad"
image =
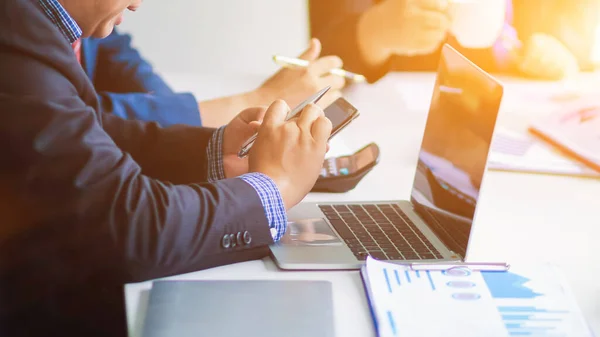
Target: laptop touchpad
x,y
310,232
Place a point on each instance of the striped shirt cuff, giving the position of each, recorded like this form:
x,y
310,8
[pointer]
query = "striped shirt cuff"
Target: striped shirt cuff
x,y
271,200
214,153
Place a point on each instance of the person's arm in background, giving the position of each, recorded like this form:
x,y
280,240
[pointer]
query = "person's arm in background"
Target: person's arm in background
x,y
526,53
571,24
366,33
130,88
293,85
372,36
336,23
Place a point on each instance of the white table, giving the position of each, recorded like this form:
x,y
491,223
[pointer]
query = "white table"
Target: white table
x,y
523,217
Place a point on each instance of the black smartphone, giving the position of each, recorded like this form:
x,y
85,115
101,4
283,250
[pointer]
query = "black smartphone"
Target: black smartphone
x,y
340,113
341,174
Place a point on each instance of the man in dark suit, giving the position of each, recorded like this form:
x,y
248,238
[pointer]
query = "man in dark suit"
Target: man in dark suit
x,y
129,87
374,37
91,201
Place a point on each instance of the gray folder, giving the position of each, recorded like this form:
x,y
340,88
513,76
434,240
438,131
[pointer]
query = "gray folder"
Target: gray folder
x,y
240,308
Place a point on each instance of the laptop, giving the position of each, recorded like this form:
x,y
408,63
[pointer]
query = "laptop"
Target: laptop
x,y
436,223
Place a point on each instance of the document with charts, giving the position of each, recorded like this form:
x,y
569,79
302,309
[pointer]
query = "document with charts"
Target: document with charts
x,y
528,301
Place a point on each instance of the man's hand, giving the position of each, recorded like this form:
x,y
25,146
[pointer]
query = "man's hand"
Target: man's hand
x,y
294,85
291,85
291,152
242,127
545,57
403,27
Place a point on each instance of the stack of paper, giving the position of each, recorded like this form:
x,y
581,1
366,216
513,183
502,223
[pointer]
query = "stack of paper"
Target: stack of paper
x,y
532,301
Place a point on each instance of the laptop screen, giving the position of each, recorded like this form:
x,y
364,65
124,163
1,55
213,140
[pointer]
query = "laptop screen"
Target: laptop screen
x,y
455,147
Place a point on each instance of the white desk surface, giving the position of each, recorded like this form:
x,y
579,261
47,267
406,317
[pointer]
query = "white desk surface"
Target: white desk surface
x,y
522,217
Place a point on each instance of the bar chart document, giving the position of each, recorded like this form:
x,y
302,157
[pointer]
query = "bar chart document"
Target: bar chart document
x,y
532,301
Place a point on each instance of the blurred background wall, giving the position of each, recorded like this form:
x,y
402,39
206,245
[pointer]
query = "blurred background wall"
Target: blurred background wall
x,y
218,36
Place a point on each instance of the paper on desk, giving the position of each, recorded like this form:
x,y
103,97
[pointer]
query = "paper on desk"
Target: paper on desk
x,y
532,301
517,152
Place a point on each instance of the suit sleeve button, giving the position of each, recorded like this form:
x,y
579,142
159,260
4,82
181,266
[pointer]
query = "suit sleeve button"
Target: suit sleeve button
x,y
226,242
232,240
247,238
240,239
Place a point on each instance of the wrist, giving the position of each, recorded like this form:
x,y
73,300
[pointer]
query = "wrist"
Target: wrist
x,y
262,96
209,117
283,186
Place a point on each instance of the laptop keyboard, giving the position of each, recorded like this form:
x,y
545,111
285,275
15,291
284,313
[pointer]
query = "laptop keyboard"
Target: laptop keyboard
x,y
382,231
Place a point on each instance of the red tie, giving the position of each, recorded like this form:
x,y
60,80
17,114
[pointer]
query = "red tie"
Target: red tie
x,y
77,49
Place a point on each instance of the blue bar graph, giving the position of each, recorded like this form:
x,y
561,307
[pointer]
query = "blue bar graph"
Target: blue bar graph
x,y
397,277
430,280
387,280
407,275
525,327
528,318
392,323
418,274
516,317
534,333
504,309
508,285
517,320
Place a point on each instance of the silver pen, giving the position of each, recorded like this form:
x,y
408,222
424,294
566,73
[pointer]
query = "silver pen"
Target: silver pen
x,y
311,100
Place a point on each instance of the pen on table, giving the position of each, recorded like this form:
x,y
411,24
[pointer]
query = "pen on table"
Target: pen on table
x,y
311,100
290,62
475,266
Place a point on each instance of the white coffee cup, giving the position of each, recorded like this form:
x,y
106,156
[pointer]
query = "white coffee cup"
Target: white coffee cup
x,y
477,23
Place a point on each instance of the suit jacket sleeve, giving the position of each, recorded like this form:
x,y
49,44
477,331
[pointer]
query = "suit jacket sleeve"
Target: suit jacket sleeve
x,y
129,87
133,196
77,174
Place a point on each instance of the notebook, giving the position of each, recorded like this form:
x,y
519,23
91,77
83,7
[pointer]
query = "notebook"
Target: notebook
x,y
524,301
240,308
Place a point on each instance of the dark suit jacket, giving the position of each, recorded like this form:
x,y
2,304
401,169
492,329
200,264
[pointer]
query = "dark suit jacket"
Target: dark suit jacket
x,y
90,201
128,86
335,23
